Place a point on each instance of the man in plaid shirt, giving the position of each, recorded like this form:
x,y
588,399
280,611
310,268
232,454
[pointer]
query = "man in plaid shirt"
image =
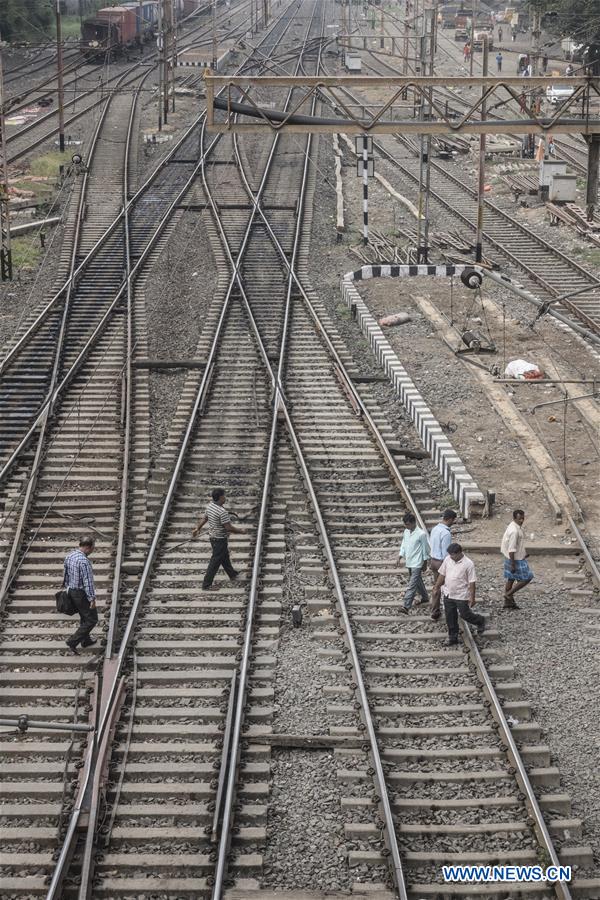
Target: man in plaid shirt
x,y
79,581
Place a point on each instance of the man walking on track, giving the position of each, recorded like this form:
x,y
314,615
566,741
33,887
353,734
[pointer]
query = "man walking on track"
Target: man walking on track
x,y
219,529
415,551
517,573
439,541
456,580
79,581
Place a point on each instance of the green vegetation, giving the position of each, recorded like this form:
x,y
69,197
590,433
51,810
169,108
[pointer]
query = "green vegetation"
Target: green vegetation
x,y
343,311
34,20
25,20
591,255
71,27
578,18
47,166
26,252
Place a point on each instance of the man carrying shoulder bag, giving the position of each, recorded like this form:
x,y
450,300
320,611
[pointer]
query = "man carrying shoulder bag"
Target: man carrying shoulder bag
x,y
79,584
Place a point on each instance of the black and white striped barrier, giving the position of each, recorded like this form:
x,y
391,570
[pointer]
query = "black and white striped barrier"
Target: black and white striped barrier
x,y
458,481
471,276
365,176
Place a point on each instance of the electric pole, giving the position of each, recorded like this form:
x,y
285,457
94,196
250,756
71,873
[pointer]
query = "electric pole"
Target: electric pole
x,y
407,10
174,25
481,184
166,32
5,251
472,54
140,15
61,86
425,141
160,41
214,35
536,31
382,28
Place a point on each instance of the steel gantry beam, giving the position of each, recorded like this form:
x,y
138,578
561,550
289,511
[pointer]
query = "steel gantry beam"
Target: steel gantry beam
x,y
516,97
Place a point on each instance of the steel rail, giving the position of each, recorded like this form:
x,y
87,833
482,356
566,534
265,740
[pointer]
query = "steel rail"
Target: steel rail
x,y
560,888
384,799
11,104
495,705
10,570
73,67
111,691
71,281
101,241
128,402
593,326
63,861
546,246
230,760
589,559
87,867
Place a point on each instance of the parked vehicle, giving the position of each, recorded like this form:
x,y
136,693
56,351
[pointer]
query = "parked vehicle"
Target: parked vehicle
x,y
479,36
572,50
556,94
353,62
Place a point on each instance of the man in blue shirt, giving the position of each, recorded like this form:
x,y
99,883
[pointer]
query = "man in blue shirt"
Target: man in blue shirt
x,y
79,581
415,552
439,541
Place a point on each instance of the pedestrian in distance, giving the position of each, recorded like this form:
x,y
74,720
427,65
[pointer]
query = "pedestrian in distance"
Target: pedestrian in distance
x,y
219,529
466,52
414,550
500,34
499,60
439,541
517,573
569,70
544,63
457,581
78,580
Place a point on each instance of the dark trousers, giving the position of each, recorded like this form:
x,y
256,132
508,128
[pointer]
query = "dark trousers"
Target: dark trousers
x,y
88,617
220,557
454,608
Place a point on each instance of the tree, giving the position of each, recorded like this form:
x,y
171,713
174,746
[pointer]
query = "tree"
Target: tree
x,y
580,18
25,20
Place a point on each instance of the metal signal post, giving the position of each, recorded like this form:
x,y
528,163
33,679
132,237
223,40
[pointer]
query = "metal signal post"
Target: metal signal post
x,y
481,183
61,87
5,251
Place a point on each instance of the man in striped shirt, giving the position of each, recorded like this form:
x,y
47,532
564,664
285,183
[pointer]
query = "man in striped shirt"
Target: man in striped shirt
x,y
79,581
219,529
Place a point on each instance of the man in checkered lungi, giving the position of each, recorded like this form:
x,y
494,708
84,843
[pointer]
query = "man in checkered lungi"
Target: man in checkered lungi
x,y
517,573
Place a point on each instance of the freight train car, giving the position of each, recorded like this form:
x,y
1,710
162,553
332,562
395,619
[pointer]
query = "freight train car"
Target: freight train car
x,y
116,29
146,17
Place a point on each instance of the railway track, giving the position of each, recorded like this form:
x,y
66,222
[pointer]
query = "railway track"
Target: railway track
x,y
87,89
385,759
81,468
93,263
547,266
423,754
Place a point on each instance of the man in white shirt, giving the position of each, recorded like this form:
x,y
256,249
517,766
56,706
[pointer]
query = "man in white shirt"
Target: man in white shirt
x,y
456,580
517,572
439,541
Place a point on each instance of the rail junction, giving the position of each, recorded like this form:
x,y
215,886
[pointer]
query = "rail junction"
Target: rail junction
x,y
293,735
